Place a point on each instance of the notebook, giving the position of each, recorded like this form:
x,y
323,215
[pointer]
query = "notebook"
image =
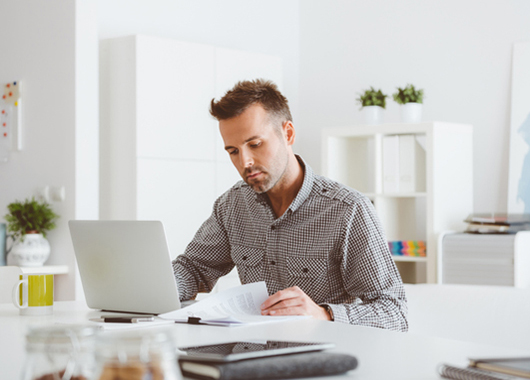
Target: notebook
x,y
125,266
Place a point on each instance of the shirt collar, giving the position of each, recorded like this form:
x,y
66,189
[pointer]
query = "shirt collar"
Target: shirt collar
x,y
307,185
304,191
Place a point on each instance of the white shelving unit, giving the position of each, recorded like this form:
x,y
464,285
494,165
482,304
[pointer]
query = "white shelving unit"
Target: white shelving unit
x,y
161,154
443,194
46,269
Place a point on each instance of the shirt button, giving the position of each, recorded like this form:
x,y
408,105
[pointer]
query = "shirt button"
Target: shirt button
x,y
305,270
273,262
273,227
244,257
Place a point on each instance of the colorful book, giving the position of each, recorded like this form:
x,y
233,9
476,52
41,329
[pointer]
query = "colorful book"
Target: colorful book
x,y
416,248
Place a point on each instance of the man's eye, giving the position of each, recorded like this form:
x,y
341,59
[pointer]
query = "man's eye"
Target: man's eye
x,y
255,145
232,152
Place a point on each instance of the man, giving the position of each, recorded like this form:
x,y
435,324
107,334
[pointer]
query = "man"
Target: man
x,y
317,244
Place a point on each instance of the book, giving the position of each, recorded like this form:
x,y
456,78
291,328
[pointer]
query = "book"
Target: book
x,y
275,367
469,373
498,219
511,366
237,306
497,223
480,228
407,248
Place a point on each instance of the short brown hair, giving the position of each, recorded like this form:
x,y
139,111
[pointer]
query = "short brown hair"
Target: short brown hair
x,y
247,93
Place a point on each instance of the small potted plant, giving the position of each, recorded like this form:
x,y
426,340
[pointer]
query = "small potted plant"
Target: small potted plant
x,y
372,103
411,101
28,222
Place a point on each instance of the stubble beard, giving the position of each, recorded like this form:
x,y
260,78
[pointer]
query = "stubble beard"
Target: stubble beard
x,y
269,180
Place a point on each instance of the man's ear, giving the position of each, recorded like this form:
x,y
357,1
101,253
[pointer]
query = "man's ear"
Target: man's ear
x,y
289,132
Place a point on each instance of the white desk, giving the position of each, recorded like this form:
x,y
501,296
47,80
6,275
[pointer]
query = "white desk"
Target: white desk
x,y
382,354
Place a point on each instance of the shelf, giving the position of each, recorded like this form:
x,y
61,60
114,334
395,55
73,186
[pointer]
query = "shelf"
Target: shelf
x,y
414,259
400,195
428,180
396,195
47,269
404,218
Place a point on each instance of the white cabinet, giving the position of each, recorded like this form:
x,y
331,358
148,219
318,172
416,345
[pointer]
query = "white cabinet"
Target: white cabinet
x,y
161,154
484,259
442,175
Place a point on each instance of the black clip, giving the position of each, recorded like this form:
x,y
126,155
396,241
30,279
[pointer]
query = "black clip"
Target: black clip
x,y
194,320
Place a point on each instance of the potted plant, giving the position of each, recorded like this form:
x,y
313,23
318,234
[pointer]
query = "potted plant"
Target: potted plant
x,y
372,103
411,101
28,222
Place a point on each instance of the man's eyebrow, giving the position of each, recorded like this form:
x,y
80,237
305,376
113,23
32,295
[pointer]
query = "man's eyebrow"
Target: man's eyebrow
x,y
246,141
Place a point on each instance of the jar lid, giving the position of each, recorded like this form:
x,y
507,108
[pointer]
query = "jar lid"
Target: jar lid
x,y
141,344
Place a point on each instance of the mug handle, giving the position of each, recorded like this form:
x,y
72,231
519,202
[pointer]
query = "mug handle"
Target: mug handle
x,y
16,294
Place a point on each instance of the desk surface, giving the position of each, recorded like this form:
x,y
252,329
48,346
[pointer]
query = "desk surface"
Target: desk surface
x,y
382,354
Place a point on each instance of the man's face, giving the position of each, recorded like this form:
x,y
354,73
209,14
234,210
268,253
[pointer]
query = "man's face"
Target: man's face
x,y
256,148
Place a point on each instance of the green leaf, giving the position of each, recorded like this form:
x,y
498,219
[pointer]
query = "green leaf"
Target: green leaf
x,y
30,215
408,95
372,97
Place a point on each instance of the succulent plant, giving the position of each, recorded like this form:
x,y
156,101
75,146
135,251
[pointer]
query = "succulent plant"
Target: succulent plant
x,y
372,97
408,95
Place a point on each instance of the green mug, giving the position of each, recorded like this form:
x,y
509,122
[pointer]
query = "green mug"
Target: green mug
x,y
33,294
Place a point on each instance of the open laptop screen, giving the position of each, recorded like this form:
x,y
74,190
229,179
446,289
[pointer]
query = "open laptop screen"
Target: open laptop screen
x,y
125,265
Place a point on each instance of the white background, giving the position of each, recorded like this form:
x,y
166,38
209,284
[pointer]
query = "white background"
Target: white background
x,y
458,51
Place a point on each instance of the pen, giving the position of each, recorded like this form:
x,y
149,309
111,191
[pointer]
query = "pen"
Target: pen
x,y
123,319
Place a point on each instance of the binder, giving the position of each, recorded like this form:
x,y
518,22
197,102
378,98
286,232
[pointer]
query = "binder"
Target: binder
x,y
407,163
391,164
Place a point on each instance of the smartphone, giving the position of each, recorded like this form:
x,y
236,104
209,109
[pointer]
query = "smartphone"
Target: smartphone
x,y
234,351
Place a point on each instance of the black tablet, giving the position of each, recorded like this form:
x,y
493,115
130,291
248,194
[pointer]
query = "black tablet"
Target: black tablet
x,y
234,351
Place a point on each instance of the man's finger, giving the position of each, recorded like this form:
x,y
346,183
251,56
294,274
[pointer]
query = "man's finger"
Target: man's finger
x,y
286,303
278,297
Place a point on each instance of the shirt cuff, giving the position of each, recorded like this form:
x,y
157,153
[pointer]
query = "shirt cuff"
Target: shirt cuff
x,y
329,309
338,313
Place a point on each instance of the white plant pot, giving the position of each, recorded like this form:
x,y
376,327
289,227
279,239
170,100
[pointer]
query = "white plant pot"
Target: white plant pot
x,y
411,112
373,115
33,251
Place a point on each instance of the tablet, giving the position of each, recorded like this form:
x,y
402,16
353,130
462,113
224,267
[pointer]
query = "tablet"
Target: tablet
x,y
234,351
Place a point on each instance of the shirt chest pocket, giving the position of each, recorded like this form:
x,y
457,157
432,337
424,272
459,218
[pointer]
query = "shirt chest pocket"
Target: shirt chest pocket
x,y
310,274
249,263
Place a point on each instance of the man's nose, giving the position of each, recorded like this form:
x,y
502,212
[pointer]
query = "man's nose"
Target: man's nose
x,y
246,159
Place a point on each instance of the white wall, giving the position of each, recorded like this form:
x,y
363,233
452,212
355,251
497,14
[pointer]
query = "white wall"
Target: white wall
x,y
458,51
52,48
40,46
269,27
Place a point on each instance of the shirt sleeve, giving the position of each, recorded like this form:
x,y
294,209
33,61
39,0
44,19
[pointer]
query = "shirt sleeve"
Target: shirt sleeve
x,y
205,259
369,274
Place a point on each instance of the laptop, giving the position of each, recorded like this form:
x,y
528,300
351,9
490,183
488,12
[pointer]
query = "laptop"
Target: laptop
x,y
125,266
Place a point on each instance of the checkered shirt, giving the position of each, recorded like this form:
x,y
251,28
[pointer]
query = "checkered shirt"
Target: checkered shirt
x,y
329,243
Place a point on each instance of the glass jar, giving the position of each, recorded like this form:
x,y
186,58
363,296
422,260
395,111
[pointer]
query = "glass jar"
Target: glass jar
x,y
144,354
59,353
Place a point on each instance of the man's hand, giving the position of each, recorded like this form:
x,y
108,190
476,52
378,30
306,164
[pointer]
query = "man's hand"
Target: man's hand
x,y
293,301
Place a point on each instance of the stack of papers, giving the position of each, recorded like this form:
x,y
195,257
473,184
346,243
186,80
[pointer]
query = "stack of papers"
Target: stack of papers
x,y
238,306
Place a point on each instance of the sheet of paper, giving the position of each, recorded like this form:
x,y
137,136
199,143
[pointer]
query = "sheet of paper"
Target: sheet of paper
x,y
238,305
240,300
